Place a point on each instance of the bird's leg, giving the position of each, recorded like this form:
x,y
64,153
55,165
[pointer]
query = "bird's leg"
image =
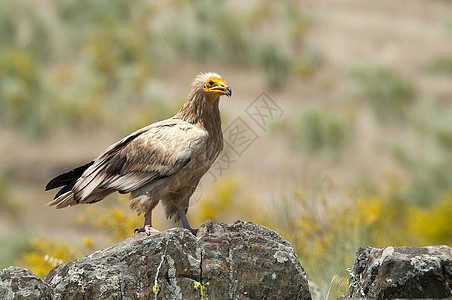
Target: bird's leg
x,y
183,218
147,228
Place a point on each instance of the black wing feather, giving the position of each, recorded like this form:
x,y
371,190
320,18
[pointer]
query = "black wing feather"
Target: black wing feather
x,y
68,177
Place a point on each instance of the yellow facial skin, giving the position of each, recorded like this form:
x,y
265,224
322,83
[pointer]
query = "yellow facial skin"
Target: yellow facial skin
x,y
215,87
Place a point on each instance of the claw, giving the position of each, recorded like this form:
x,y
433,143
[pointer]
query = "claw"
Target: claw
x,y
148,229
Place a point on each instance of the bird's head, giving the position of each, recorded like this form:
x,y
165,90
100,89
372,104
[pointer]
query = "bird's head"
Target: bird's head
x,y
202,102
213,85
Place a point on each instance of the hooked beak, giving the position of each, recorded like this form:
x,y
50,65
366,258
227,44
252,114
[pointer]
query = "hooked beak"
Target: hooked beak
x,y
222,89
227,91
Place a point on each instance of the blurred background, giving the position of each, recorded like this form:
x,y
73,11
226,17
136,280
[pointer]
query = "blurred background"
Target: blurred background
x,y
343,108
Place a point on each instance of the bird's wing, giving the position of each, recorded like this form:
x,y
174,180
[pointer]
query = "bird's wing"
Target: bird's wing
x,y
151,153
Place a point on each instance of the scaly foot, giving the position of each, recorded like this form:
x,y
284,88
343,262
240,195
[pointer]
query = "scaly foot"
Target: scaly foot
x,y
147,229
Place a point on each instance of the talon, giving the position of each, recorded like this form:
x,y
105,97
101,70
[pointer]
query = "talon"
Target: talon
x,y
147,229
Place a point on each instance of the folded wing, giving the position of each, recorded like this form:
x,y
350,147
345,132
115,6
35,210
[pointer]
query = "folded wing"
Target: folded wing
x,y
154,152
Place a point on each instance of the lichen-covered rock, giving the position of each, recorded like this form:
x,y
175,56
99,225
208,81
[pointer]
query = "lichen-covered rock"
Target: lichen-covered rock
x,y
20,283
130,269
249,261
402,272
238,261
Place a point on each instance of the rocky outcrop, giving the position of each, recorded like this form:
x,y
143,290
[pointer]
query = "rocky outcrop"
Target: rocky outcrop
x,y
402,272
20,283
238,261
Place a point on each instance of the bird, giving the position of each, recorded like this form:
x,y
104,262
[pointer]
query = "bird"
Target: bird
x,y
162,162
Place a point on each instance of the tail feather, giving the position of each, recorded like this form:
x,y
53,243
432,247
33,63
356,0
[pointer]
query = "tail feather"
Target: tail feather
x,y
63,200
68,177
89,184
67,180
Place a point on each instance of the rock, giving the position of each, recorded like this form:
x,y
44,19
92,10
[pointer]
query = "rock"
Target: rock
x,y
238,261
402,272
20,283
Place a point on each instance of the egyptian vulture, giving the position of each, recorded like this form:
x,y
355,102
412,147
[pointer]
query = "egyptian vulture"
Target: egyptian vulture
x,y
160,162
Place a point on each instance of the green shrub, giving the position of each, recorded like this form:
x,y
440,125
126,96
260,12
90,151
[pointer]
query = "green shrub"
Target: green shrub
x,y
21,91
12,246
323,130
23,28
427,181
8,201
440,128
76,63
274,62
428,171
389,95
442,65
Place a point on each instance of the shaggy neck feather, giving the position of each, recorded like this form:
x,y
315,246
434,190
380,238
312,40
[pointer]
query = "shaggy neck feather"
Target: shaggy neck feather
x,y
198,110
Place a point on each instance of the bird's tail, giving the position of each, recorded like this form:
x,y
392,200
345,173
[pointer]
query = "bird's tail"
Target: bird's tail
x,y
64,200
65,196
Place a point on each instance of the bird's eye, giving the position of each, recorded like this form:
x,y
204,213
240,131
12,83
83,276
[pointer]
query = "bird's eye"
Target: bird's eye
x,y
210,82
